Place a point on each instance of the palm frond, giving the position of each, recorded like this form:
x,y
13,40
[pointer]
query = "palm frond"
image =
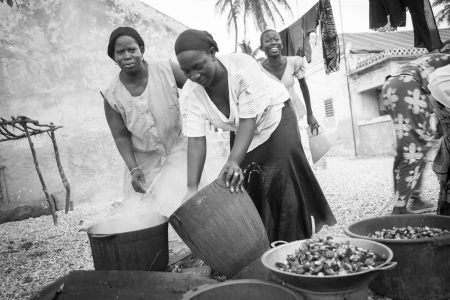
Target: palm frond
x,y
275,8
440,2
268,12
259,15
285,5
443,16
245,47
220,6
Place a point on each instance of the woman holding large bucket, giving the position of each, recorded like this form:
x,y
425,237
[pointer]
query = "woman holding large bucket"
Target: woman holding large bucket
x,y
142,109
232,93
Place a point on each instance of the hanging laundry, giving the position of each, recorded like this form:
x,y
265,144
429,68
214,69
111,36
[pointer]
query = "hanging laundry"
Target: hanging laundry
x,y
426,34
386,14
296,37
392,14
330,39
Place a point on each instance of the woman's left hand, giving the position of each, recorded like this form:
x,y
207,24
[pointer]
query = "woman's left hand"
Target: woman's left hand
x,y
313,124
234,178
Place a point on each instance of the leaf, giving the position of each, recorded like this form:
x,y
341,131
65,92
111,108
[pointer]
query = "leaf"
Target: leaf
x,y
9,2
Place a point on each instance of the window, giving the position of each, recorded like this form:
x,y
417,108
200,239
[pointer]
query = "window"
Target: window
x,y
381,106
329,108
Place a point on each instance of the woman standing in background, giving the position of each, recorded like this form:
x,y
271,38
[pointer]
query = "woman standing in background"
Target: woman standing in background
x,y
287,69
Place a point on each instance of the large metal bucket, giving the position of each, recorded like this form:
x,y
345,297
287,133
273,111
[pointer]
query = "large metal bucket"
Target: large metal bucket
x,y
244,289
423,270
134,242
225,230
350,286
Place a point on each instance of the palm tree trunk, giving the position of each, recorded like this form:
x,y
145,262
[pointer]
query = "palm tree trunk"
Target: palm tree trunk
x,y
245,26
233,13
235,35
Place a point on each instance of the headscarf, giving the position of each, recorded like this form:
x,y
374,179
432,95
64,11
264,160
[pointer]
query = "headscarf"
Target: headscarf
x,y
192,39
124,31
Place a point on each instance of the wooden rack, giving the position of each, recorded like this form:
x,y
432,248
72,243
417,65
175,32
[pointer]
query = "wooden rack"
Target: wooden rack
x,y
27,128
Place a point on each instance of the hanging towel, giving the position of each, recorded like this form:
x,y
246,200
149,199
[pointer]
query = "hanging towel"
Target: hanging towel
x,y
295,38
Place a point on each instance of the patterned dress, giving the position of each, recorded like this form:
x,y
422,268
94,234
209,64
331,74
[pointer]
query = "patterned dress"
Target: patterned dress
x,y
407,99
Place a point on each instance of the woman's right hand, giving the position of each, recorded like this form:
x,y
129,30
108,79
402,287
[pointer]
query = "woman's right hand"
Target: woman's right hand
x,y
233,175
138,181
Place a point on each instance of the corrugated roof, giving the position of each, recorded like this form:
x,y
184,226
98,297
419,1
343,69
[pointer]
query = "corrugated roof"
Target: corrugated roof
x,y
385,40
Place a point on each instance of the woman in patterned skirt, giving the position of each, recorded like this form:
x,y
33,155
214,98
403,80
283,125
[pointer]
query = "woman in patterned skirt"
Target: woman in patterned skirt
x,y
406,97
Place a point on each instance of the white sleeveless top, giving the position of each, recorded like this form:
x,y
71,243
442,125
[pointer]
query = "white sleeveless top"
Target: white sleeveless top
x,y
295,68
155,124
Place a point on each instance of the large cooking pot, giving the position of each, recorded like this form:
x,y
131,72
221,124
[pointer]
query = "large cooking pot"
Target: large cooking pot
x,y
423,270
243,289
131,242
315,287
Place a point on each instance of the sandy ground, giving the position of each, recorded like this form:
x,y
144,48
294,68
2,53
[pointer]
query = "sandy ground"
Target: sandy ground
x,y
34,252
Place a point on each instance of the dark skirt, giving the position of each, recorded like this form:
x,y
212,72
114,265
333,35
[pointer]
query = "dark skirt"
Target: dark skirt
x,y
282,185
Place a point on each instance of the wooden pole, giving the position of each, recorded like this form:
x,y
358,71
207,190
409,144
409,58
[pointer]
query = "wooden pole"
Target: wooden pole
x,y
65,182
36,165
3,188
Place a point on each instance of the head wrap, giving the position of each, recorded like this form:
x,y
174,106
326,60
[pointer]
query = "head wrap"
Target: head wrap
x,y
123,31
439,85
192,39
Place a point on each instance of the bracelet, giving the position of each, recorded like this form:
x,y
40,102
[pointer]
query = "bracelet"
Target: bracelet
x,y
134,169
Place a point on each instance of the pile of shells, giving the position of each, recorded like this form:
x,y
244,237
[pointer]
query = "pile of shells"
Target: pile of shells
x,y
323,257
408,233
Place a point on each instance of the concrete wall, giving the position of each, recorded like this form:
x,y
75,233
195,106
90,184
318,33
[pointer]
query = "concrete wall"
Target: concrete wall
x,y
376,137
367,105
357,112
52,63
374,132
332,86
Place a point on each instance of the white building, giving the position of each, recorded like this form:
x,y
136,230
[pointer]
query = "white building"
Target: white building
x,y
348,102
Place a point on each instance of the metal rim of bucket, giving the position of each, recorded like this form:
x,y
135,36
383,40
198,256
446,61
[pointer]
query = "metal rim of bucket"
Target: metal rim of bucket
x,y
91,228
274,269
351,234
205,288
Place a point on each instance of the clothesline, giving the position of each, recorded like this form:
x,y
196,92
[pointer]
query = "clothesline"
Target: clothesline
x,y
384,15
296,37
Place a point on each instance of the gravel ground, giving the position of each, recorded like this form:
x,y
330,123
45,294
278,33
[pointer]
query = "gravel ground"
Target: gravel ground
x,y
34,253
